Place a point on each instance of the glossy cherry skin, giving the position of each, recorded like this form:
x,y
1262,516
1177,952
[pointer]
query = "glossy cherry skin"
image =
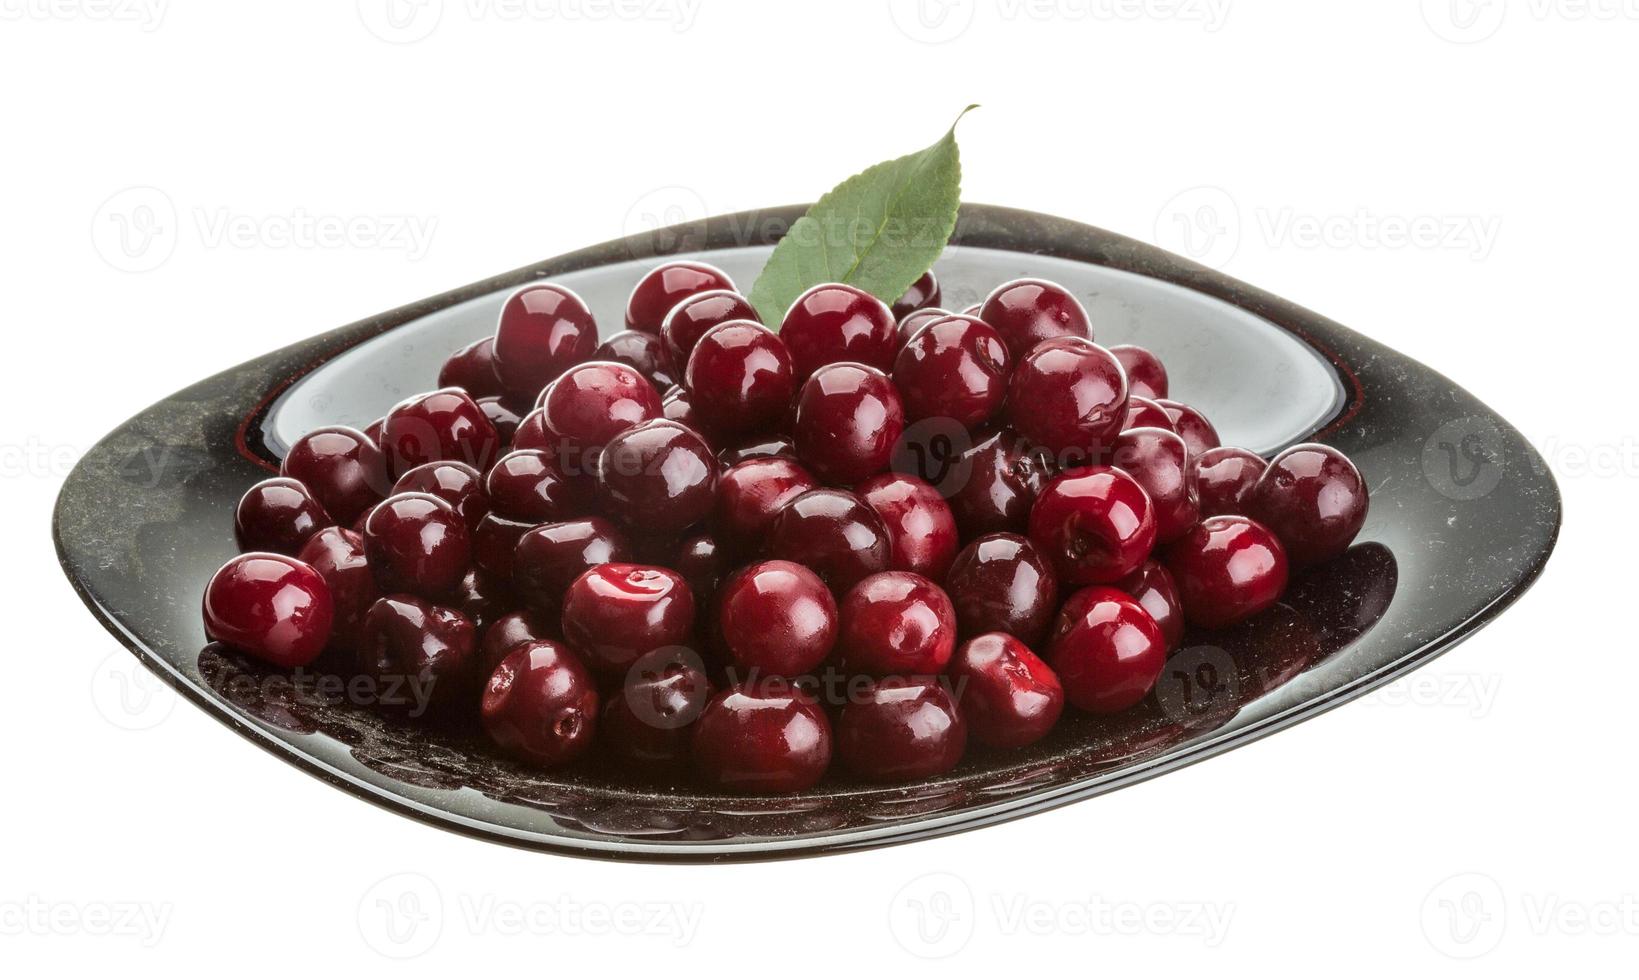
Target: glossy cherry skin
x,y
273,607
849,418
482,600
1158,460
337,554
532,433
509,632
1223,478
1146,375
540,705
494,544
457,484
955,368
759,447
647,722
664,286
833,322
924,292
1028,311
505,420
740,379
1095,524
529,485
443,424
896,623
417,543
702,562
472,369
900,729
776,618
544,330
550,557
659,477
343,470
914,321
1227,569
762,736
277,515
1000,478
642,352
1152,587
1146,413
1198,433
422,658
834,533
1111,656
1009,697
921,529
1001,583
1068,395
1313,498
617,612
689,320
592,403
751,494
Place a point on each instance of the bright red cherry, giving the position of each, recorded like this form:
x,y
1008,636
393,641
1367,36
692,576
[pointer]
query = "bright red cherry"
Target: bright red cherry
x,y
1157,459
1010,698
1223,478
912,322
1146,375
1001,583
273,607
896,623
530,485
1152,587
764,736
1145,413
849,419
691,318
1227,569
835,322
658,292
740,379
901,729
509,632
457,484
343,470
643,352
923,293
540,705
658,477
1069,396
443,424
955,368
616,612
550,557
997,484
921,529
1028,311
776,617
472,369
544,331
1095,524
417,543
277,515
648,721
1313,498
1111,656
1198,433
337,554
592,403
422,658
834,533
751,494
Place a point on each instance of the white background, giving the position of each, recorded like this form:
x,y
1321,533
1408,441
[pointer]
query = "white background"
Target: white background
x,y
515,133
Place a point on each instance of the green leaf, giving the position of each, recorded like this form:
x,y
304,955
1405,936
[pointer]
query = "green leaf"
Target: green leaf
x,y
878,230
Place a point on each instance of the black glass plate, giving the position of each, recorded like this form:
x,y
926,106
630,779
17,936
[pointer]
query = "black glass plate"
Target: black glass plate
x,y
1464,515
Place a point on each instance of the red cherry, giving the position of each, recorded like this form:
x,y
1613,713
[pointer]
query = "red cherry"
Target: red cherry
x,y
1227,569
592,403
924,292
343,470
849,419
457,484
1028,311
692,317
1010,698
1223,478
337,554
776,617
1146,375
999,480
544,330
1198,433
834,533
1096,525
921,529
642,352
421,657
277,515
1111,655
440,425
1002,583
1157,459
659,291
1069,396
751,494
616,612
273,607
540,705
550,557
901,729
417,543
834,322
910,323
764,736
955,368
739,379
1313,498
509,632
1152,587
648,722
897,623
472,369
660,477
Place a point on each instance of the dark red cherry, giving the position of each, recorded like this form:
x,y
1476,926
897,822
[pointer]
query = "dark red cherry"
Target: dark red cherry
x,y
835,322
676,405
1313,498
421,657
834,533
616,612
1157,459
1028,311
702,563
544,331
1000,478
896,623
1152,587
641,351
1069,396
1223,478
457,484
440,425
472,369
751,494
482,600
1145,413
1000,583
550,557
341,468
509,632
337,554
417,543
659,477
532,433
647,722
1095,524
540,705
954,368
1146,375
900,729
921,529
1227,569
776,617
762,736
740,379
759,447
689,320
494,543
273,607
593,402
1009,697
924,292
912,322
505,420
277,515
1198,433
1111,656
849,419
529,485
664,286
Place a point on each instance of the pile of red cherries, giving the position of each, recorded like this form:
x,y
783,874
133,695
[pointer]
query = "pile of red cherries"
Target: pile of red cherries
x,y
701,546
